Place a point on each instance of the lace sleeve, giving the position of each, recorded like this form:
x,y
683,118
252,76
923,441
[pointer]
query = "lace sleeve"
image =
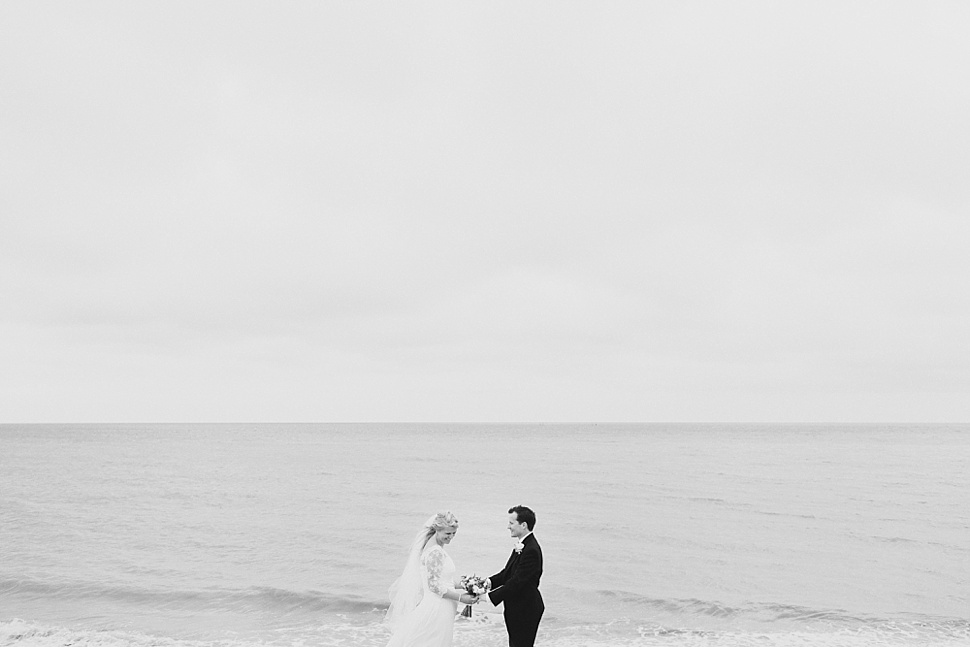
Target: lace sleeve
x,y
433,565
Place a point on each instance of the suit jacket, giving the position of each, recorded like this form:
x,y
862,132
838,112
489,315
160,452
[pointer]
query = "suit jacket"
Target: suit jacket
x,y
517,585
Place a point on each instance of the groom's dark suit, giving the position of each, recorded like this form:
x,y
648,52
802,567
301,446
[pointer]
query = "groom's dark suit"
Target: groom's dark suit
x,y
517,585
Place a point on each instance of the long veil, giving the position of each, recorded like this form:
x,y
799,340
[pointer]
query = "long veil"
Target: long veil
x,y
406,591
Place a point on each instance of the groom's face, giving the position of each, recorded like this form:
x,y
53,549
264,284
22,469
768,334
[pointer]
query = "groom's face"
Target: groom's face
x,y
516,529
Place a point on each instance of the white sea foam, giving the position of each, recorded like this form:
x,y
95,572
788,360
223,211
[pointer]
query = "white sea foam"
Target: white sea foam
x,y
485,634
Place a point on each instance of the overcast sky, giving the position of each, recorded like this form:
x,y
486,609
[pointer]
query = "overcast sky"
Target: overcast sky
x,y
494,211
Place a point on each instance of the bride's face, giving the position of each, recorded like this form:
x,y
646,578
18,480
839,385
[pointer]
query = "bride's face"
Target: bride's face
x,y
445,535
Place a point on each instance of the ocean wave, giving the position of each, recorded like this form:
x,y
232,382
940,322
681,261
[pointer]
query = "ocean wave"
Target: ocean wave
x,y
768,614
794,515
263,598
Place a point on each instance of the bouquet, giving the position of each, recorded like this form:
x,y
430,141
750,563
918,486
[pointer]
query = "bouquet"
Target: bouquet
x,y
474,585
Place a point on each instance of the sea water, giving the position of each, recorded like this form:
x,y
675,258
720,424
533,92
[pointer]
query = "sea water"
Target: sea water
x,y
652,534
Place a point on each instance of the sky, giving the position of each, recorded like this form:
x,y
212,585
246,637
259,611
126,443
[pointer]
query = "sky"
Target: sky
x,y
502,211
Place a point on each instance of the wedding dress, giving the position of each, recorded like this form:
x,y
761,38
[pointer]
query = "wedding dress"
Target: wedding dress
x,y
424,618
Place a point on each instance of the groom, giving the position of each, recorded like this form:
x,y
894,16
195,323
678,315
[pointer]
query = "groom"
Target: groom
x,y
517,585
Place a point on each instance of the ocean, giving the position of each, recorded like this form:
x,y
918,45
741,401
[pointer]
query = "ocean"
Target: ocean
x,y
244,535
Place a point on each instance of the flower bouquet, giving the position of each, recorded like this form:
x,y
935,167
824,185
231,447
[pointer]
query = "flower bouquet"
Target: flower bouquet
x,y
474,585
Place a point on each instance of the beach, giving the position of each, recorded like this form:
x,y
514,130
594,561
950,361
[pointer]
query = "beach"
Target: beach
x,y
653,534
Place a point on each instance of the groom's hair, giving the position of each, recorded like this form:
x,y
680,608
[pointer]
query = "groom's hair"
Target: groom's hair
x,y
525,514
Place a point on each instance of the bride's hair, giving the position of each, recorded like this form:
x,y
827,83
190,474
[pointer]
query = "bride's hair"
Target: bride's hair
x,y
441,521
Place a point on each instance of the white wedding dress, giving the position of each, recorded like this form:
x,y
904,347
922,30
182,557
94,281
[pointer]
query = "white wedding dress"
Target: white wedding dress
x,y
432,622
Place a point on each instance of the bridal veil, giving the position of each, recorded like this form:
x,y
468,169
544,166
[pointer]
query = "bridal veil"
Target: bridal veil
x,y
406,592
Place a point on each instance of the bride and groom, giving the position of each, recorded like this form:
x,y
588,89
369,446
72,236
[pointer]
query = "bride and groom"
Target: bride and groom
x,y
424,599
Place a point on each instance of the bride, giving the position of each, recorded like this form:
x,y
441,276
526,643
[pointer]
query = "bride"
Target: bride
x,y
425,598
